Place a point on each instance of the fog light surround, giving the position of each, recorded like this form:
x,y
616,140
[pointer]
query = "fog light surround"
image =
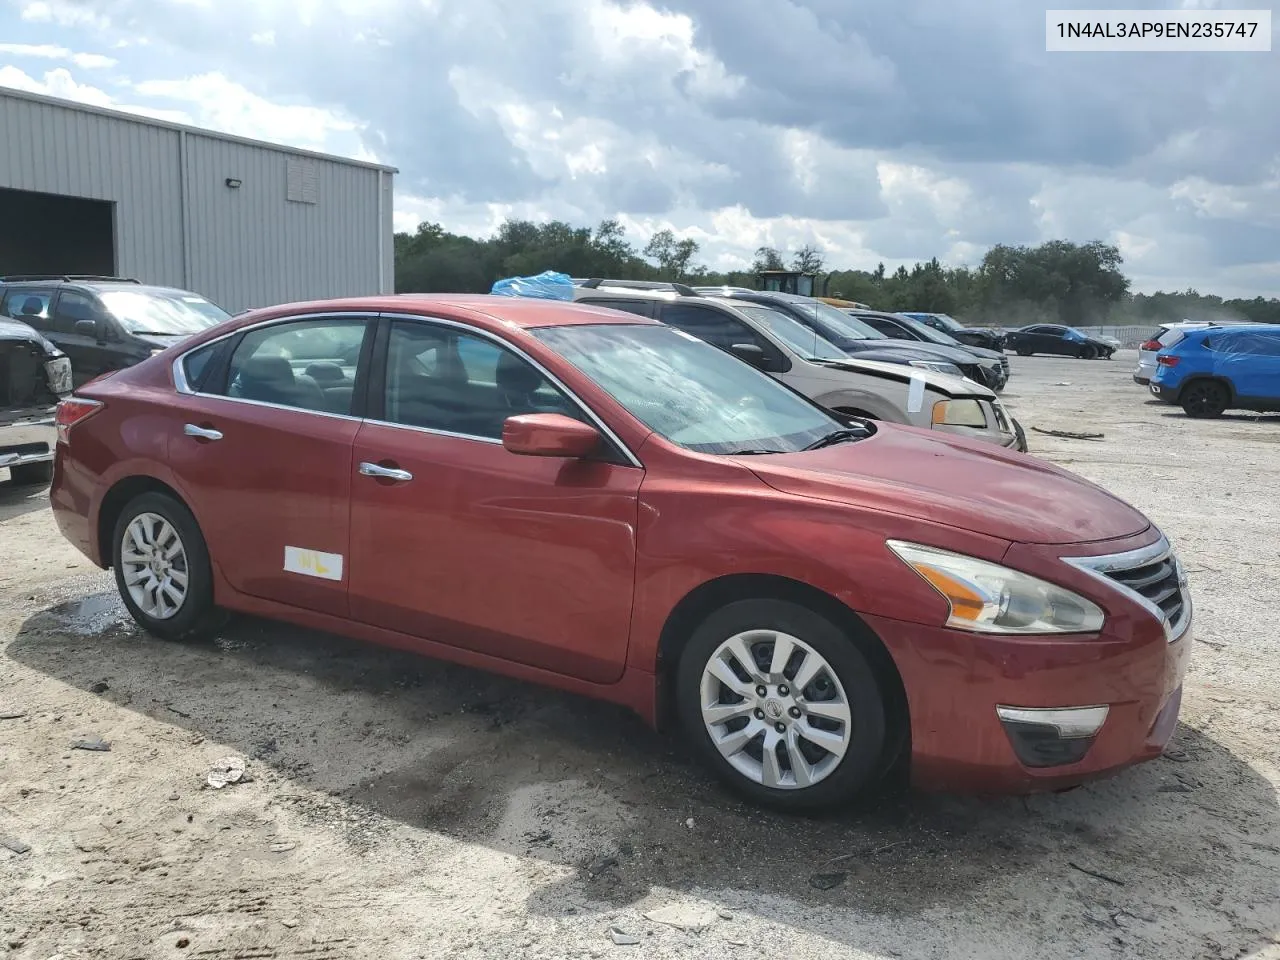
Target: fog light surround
x,y
1053,736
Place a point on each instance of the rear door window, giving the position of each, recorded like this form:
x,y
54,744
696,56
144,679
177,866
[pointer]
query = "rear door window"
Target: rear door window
x,y
30,305
306,364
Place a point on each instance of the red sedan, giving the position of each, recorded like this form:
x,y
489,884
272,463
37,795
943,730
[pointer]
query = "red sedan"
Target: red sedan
x,y
596,501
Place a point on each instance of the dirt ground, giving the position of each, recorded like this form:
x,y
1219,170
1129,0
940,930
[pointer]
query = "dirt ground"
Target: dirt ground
x,y
398,808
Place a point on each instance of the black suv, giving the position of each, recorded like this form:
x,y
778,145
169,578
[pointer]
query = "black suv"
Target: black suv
x,y
105,323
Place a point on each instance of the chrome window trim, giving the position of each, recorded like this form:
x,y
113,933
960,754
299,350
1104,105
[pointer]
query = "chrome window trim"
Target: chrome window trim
x,y
184,387
506,344
1099,567
179,374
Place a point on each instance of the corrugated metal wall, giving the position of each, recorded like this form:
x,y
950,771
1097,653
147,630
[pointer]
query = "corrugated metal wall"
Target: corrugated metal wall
x,y
178,223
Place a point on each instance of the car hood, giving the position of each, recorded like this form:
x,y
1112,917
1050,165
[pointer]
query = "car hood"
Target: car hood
x,y
982,353
918,349
960,483
16,330
944,383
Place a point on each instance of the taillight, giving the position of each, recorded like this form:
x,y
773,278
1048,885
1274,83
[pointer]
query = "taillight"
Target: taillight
x,y
1167,361
71,411
1150,345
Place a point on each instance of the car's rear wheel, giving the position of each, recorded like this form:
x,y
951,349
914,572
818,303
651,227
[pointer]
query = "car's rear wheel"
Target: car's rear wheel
x,y
1204,398
783,705
162,568
1021,352
32,474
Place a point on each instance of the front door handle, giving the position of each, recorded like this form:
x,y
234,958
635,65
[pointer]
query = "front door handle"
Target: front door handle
x,y
389,473
201,433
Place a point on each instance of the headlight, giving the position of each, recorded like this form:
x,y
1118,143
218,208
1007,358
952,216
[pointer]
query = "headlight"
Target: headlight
x,y
988,598
937,366
959,413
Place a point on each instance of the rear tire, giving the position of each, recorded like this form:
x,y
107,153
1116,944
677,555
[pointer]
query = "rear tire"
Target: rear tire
x,y
805,749
162,569
1204,399
32,474
1022,353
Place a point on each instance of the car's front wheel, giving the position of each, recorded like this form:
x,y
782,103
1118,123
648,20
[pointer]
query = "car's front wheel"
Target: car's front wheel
x,y
162,568
783,705
1204,399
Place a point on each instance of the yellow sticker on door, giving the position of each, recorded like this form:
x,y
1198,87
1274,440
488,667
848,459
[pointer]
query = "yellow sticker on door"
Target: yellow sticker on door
x,y
313,563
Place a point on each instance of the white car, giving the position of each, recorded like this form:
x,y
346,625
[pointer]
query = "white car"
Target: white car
x,y
1165,336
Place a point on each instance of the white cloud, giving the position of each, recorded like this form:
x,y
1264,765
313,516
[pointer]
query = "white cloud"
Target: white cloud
x,y
48,51
56,83
221,104
63,14
264,38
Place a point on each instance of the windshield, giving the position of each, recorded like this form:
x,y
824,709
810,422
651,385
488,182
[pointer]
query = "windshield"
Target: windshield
x,y
176,314
951,323
808,343
691,393
928,333
836,322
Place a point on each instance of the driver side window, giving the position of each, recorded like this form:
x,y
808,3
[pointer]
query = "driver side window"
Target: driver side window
x,y
443,379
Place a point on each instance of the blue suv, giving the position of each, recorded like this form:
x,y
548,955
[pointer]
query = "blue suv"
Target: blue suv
x,y
1221,368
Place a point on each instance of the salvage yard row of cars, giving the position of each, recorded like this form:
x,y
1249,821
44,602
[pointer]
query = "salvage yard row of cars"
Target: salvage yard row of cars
x,y
707,506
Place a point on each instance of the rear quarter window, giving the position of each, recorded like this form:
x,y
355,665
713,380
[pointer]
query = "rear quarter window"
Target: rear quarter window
x,y
198,364
1170,337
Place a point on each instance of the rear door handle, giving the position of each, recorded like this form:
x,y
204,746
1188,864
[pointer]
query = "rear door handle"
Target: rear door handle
x,y
389,473
191,430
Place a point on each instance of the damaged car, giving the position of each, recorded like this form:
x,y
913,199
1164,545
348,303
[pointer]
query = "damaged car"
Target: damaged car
x,y
34,376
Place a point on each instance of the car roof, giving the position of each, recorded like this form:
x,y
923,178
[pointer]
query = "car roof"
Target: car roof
x,y
1235,328
522,312
101,286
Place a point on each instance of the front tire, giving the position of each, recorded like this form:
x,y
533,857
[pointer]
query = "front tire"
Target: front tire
x,y
32,474
1021,352
162,568
1089,353
818,734
1204,399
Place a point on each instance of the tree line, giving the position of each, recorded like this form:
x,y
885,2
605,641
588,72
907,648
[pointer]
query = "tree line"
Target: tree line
x,y
1080,284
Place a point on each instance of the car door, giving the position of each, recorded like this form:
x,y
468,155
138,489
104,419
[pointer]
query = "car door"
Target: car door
x,y
260,442
458,541
1253,365
81,329
721,329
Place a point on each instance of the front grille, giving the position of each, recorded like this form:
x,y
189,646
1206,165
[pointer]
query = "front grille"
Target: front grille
x,y
1152,576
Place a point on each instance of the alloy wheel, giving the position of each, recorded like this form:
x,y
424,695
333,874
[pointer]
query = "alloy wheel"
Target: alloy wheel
x,y
154,566
775,709
1203,400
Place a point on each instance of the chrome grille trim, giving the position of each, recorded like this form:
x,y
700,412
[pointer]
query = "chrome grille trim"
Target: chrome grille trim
x,y
1118,571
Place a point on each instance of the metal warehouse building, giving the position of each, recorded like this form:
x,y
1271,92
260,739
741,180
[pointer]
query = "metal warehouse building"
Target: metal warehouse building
x,y
247,224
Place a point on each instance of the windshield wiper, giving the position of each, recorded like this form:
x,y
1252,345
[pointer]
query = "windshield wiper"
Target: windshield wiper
x,y
156,333
750,452
839,436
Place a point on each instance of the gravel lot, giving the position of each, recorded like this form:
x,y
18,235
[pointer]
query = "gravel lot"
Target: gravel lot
x,y
400,808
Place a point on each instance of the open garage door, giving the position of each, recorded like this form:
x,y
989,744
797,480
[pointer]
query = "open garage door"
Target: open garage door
x,y
41,233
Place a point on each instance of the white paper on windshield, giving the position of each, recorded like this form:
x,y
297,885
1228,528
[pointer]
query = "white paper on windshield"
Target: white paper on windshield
x,y
194,300
915,394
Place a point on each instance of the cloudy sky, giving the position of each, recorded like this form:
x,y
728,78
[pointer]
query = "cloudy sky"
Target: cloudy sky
x,y
888,130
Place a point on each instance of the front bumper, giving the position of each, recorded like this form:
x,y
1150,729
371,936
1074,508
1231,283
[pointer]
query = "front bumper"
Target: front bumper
x,y
27,436
956,684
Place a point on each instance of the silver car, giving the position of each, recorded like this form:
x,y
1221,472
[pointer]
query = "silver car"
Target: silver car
x,y
1165,336
792,353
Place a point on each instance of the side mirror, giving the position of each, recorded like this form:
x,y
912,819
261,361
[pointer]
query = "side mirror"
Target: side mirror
x,y
88,328
749,352
549,435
